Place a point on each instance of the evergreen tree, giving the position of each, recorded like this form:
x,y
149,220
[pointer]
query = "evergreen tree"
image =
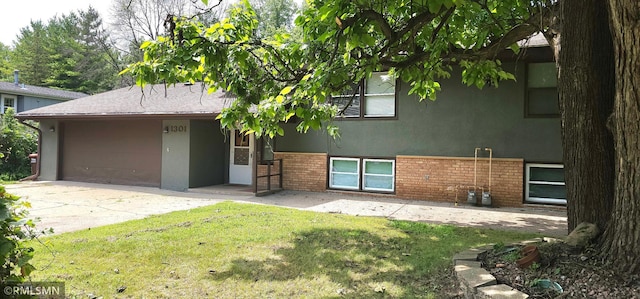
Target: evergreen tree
x,y
6,68
71,52
31,54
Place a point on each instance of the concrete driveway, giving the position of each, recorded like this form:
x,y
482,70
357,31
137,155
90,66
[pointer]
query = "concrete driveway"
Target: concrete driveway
x,y
69,206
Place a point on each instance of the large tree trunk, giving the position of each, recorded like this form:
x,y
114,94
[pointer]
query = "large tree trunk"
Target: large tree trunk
x,y
622,236
586,88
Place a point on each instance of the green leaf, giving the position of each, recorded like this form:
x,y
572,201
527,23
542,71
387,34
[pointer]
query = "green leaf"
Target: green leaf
x,y
325,36
434,5
515,48
27,269
6,247
228,26
146,44
285,91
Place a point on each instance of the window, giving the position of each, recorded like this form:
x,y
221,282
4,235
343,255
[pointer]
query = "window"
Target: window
x,y
545,184
542,92
380,96
345,173
7,102
375,97
377,174
265,149
348,102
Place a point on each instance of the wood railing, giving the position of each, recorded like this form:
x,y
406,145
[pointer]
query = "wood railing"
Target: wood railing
x,y
265,173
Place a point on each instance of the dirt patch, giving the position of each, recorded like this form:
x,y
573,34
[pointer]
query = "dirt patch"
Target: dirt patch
x,y
579,273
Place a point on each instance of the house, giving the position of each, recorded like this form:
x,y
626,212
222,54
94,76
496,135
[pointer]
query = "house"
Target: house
x,y
503,140
151,137
392,143
23,97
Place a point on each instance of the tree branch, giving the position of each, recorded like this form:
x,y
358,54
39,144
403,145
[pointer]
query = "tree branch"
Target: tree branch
x,y
535,23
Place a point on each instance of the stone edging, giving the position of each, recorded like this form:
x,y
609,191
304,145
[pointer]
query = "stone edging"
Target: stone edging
x,y
478,283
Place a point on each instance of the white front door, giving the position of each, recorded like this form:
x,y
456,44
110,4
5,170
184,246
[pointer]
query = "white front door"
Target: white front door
x,y
241,158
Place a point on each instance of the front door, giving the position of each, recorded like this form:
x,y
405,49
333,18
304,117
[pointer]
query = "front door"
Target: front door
x,y
241,158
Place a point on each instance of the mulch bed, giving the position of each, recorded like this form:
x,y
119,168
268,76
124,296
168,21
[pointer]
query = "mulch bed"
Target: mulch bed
x,y
580,273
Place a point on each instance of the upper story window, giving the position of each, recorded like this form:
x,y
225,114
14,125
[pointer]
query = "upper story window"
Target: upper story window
x,y
375,97
542,92
7,101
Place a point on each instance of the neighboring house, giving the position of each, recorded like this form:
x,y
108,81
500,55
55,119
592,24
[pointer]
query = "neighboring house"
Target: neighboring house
x,y
390,143
23,97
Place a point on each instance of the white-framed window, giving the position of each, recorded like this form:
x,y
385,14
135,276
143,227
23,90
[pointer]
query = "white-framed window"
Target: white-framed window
x,y
344,173
378,175
7,101
362,174
372,98
545,184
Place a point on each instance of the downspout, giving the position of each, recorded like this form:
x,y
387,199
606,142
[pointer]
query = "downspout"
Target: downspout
x,y
37,174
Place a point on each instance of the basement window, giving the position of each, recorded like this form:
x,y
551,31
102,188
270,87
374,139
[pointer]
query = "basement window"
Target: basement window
x,y
542,91
378,175
545,184
362,174
345,173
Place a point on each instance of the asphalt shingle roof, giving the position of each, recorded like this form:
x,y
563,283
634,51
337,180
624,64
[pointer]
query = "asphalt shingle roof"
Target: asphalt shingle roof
x,y
534,41
38,91
179,100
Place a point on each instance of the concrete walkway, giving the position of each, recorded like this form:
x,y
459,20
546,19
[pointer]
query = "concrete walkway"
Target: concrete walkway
x,y
68,206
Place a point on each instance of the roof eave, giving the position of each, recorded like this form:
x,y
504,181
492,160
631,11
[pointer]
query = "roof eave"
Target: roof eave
x,y
34,94
117,115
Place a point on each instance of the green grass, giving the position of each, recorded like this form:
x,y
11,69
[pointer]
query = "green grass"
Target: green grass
x,y
232,250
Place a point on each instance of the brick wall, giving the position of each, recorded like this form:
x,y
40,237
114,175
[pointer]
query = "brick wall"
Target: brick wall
x,y
420,177
440,178
303,171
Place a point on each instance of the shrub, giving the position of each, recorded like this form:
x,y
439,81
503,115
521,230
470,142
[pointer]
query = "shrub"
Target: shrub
x,y
16,230
16,143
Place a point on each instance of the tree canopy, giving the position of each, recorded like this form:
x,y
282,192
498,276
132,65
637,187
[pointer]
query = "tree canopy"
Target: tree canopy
x,y
343,42
70,51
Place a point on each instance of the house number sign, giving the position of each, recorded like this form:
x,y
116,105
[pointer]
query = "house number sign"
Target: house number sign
x,y
177,129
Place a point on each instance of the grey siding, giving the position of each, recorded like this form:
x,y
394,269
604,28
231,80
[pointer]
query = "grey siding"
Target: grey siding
x,y
207,157
311,142
27,103
175,155
20,104
461,119
48,154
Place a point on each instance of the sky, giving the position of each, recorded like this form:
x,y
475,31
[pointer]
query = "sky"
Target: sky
x,y
17,14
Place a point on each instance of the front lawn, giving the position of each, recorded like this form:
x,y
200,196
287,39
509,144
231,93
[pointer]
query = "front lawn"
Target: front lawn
x,y
232,250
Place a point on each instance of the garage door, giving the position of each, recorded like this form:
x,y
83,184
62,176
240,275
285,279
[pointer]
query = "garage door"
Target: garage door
x,y
126,152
